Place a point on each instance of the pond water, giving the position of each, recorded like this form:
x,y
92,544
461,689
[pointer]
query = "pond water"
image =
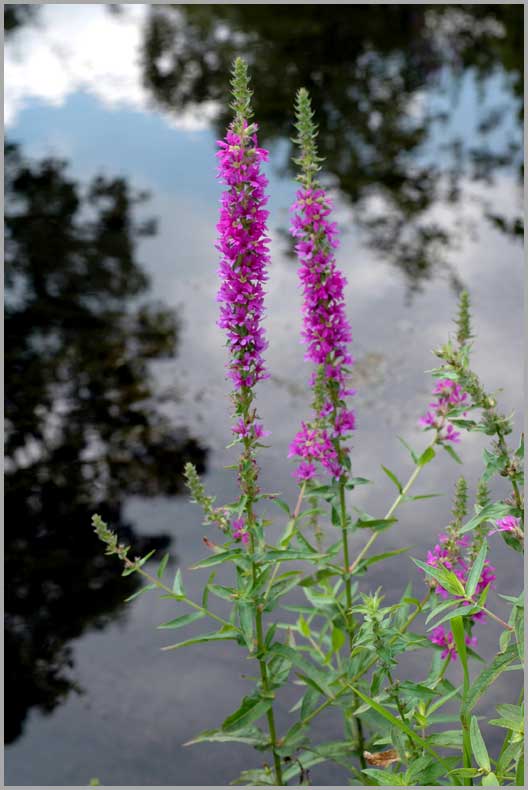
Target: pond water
x,y
107,399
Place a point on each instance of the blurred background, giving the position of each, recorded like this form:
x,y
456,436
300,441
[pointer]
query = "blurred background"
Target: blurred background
x,y
114,363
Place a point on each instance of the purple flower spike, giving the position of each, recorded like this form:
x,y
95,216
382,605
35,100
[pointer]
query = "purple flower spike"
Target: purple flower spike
x,y
326,330
449,395
243,244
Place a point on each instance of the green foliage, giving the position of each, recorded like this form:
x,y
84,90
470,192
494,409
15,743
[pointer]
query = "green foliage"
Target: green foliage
x,y
342,648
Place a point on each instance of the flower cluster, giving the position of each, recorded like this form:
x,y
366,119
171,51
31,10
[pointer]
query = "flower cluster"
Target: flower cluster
x,y
445,639
243,244
508,524
448,553
326,330
449,395
239,530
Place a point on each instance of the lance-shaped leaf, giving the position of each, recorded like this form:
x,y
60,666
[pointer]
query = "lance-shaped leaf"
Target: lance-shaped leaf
x,y
226,632
185,619
252,708
488,676
476,570
488,513
447,579
250,735
478,747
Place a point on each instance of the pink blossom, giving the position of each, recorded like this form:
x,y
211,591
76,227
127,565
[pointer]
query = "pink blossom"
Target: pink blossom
x,y
239,530
507,524
444,639
449,395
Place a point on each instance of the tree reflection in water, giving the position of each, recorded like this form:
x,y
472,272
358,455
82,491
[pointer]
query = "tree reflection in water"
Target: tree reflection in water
x,y
370,70
83,426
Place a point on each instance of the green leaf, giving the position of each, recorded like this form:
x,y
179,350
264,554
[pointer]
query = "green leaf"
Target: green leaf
x,y
217,559
144,589
177,586
185,619
282,504
303,627
454,455
245,615
513,712
162,566
288,534
476,570
364,564
227,593
338,639
464,772
396,722
490,780
488,513
457,627
384,778
207,590
478,747
417,690
250,735
426,457
310,702
252,708
413,455
375,523
224,633
446,578
352,482
519,775
460,611
441,607
393,477
488,676
146,558
276,555
508,724
318,677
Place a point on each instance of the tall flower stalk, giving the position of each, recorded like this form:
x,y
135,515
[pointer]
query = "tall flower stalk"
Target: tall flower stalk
x,y
243,243
322,442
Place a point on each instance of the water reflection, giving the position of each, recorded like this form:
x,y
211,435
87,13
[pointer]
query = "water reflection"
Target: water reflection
x,y
84,427
371,71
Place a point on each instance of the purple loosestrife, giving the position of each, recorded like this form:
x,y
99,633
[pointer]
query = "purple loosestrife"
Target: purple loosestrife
x,y
243,244
454,552
326,331
509,524
321,443
449,395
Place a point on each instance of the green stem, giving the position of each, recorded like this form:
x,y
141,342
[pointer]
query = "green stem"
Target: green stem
x,y
349,623
504,448
491,614
188,601
368,666
265,685
373,538
261,649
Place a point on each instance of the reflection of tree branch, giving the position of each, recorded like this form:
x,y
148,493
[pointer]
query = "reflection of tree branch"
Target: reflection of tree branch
x,y
82,428
367,71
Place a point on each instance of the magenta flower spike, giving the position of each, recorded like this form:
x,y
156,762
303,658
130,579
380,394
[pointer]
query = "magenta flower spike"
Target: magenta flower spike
x,y
326,331
243,243
449,395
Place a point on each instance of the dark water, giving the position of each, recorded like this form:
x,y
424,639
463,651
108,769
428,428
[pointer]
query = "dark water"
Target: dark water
x,y
115,366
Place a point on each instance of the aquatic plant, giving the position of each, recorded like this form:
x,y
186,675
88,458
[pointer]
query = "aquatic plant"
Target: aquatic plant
x,y
342,649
